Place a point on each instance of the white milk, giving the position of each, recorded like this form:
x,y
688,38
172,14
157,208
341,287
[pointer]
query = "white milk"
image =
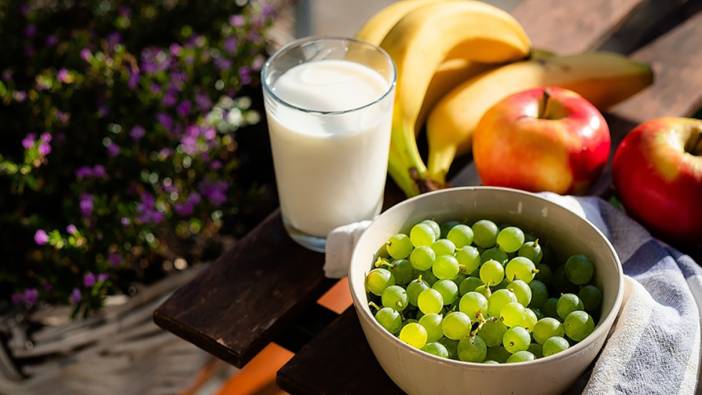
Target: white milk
x,y
330,168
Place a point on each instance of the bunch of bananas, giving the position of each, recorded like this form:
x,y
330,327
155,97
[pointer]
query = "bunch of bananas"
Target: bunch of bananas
x,y
457,58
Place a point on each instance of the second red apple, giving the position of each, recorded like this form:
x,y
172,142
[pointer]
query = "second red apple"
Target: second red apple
x,y
543,139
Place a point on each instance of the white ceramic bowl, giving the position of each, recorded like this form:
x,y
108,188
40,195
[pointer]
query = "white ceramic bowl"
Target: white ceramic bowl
x,y
417,372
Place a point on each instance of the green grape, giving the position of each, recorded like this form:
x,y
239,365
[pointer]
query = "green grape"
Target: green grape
x,y
402,271
560,282
451,346
550,308
539,293
510,239
432,323
429,277
544,273
434,227
422,235
578,325
516,339
455,325
521,356
395,297
494,254
445,267
591,297
473,304
484,290
472,349
492,272
521,290
446,228
422,258
498,300
460,235
430,301
579,269
512,314
520,268
414,334
545,328
448,290
437,349
531,250
469,259
378,279
389,319
530,319
469,284
414,288
568,303
484,233
490,362
399,246
497,353
492,332
443,247
536,349
554,345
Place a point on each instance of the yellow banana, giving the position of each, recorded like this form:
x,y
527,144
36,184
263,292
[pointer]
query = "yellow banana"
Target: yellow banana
x,y
603,78
418,44
378,26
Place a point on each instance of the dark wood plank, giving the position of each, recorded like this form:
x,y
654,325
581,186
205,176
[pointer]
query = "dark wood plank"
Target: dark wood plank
x,y
677,62
337,361
235,306
572,26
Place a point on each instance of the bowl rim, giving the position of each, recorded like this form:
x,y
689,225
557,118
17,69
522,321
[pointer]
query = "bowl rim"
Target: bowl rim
x,y
601,330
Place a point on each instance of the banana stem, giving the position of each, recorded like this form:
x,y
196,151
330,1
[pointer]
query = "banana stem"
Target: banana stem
x,y
440,162
401,175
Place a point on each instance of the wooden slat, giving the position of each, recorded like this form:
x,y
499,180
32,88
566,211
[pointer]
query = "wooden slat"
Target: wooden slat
x,y
677,62
337,361
235,306
572,26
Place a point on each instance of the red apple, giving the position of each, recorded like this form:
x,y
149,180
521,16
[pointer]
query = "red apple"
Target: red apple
x,y
543,139
658,174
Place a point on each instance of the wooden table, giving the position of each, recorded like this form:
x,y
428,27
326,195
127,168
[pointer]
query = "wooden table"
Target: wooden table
x,y
264,289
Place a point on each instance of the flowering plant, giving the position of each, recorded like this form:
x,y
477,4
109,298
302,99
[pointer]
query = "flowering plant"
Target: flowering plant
x,y
122,156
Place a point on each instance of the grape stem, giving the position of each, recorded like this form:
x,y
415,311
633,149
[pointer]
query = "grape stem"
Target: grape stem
x,y
373,305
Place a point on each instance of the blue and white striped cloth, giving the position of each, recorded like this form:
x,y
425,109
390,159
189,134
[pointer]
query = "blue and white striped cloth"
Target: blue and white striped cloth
x,y
654,346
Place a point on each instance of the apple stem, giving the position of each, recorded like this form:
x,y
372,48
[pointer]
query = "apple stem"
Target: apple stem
x,y
544,104
694,143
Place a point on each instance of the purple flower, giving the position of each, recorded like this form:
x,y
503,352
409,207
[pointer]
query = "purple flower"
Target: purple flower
x,y
31,296
75,296
155,89
170,98
236,20
30,31
113,149
41,237
268,11
209,133
51,40
257,63
114,258
203,102
215,165
89,280
17,297
102,277
44,148
215,192
63,75
230,45
174,49
86,204
85,54
183,108
63,117
19,96
133,79
147,211
113,39
28,140
186,208
137,133
84,172
71,229
124,221
165,120
245,75
99,171
222,63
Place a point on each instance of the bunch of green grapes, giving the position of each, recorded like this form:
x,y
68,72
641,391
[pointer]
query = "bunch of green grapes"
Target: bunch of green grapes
x,y
481,293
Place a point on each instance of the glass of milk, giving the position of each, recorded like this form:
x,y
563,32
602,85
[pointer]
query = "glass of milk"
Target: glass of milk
x,y
329,109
